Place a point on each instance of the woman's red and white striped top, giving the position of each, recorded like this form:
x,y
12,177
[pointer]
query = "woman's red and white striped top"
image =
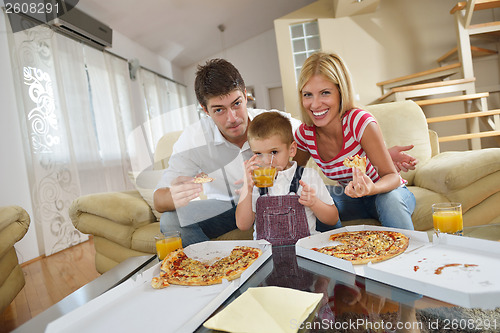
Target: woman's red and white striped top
x,y
354,124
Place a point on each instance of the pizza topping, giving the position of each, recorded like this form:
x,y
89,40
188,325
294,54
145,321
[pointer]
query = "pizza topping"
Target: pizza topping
x,y
202,178
356,162
178,268
159,282
361,247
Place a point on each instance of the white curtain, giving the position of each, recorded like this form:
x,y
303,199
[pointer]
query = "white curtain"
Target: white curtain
x,y
165,110
78,118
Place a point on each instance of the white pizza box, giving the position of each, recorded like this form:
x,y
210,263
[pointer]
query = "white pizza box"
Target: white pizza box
x,y
304,246
459,270
136,306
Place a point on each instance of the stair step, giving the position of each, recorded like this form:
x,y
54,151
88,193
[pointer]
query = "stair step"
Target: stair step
x,y
490,28
468,136
459,116
427,86
476,53
434,73
479,5
451,99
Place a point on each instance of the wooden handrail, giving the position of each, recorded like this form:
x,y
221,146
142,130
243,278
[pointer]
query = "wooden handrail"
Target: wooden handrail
x,y
451,99
426,72
468,136
479,5
460,116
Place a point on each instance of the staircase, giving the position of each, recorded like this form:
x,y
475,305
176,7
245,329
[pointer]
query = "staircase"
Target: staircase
x,y
456,78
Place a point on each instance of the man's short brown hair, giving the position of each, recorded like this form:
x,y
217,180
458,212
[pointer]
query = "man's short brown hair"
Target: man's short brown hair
x,y
268,124
218,77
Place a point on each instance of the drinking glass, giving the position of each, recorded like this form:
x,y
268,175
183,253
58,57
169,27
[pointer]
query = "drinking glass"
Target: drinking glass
x,y
167,242
265,174
447,218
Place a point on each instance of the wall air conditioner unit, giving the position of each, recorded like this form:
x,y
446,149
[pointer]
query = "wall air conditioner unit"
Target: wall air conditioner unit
x,y
80,26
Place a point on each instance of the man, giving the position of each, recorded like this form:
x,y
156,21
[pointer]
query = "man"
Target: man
x,y
216,145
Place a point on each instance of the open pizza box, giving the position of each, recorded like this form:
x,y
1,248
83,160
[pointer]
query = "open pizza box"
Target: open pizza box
x,y
136,306
304,246
460,270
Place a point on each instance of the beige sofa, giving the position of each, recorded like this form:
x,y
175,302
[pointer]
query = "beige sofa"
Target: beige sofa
x,y
14,223
123,224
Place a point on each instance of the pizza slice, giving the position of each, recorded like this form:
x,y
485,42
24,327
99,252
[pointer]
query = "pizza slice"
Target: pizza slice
x,y
177,268
202,178
356,162
159,282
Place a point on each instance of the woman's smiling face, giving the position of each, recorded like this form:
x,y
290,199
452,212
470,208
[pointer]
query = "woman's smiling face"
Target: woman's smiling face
x,y
321,99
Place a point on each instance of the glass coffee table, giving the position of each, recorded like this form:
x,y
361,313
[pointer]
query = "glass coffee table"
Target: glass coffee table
x,y
356,304
350,304
128,269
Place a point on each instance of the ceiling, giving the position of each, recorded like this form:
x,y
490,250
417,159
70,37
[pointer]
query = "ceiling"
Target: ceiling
x,y
186,31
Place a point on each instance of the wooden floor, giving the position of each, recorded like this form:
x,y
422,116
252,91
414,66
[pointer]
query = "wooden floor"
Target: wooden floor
x,y
49,280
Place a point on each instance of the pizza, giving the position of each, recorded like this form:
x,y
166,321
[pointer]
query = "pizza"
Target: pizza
x,y
178,268
356,162
159,282
362,247
202,178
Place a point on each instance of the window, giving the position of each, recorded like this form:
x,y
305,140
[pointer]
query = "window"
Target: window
x,y
305,41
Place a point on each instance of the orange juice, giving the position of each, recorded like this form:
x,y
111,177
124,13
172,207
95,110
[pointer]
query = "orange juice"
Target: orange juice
x,y
447,218
264,177
448,222
167,245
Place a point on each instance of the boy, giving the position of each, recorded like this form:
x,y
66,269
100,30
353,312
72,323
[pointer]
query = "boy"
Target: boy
x,y
298,196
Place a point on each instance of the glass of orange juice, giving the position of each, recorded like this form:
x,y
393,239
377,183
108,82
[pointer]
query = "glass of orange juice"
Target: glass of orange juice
x,y
167,242
447,218
265,174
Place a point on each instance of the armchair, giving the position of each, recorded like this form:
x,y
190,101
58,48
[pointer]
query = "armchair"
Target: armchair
x,y
123,224
14,223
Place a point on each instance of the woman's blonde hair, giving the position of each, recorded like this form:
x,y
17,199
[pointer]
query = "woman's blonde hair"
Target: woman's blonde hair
x,y
333,68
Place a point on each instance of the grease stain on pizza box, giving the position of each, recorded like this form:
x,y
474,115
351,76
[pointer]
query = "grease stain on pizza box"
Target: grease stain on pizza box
x,y
459,270
304,247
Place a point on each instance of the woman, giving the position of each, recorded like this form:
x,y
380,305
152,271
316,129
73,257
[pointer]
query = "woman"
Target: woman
x,y
334,129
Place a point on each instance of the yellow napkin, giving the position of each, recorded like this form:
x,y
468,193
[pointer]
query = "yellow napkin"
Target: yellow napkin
x,y
265,309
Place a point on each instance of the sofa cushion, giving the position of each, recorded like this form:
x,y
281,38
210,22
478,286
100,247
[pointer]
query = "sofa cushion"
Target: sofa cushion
x,y
11,287
143,239
109,253
14,223
452,170
125,208
422,215
486,212
477,192
145,182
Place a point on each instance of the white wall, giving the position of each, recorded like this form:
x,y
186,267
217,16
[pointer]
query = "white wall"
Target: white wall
x,y
14,185
400,38
257,61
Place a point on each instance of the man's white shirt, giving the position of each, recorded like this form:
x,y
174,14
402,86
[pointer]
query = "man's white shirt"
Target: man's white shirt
x,y
202,148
